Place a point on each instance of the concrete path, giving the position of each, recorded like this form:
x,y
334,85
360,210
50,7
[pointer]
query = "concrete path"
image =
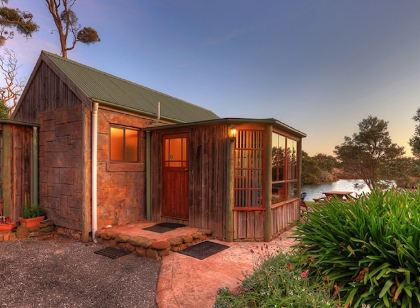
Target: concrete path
x,y
65,273
188,282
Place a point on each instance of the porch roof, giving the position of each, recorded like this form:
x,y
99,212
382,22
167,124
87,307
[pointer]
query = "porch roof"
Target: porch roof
x,y
272,121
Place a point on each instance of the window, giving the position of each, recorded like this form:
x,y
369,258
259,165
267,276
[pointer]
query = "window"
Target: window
x,y
248,168
124,144
284,168
175,152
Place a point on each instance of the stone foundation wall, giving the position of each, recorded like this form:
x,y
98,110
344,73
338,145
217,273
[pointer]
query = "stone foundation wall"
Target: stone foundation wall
x,y
60,165
121,186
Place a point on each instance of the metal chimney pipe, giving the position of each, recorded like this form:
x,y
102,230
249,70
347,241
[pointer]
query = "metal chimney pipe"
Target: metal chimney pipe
x,y
158,111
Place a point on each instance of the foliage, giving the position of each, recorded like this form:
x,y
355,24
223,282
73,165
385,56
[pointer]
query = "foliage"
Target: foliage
x,y
326,162
318,169
369,249
32,210
67,23
13,18
4,110
368,153
311,173
406,171
415,140
11,85
277,283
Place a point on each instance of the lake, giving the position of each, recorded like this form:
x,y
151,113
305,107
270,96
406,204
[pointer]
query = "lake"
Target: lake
x,y
315,191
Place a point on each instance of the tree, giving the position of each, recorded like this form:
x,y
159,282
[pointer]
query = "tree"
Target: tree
x,y
311,173
11,86
368,153
14,19
415,140
326,162
66,22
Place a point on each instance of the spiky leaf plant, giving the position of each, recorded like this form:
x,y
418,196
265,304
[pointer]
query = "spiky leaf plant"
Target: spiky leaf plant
x,y
369,249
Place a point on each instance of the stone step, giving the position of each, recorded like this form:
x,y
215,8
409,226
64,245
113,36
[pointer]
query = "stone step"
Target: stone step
x,y
146,247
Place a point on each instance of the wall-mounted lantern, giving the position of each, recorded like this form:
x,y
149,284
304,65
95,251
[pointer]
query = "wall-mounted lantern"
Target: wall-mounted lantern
x,y
232,133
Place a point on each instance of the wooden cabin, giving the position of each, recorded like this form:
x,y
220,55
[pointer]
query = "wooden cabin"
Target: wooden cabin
x,y
113,152
18,163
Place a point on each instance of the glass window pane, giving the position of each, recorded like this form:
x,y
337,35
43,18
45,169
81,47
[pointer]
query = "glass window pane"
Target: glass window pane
x,y
131,145
175,149
291,159
277,157
117,143
278,192
292,190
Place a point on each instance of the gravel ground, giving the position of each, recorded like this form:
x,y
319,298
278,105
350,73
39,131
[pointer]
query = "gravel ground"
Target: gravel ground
x,y
65,273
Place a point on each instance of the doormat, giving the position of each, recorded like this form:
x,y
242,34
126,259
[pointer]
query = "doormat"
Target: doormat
x,y
112,252
203,250
164,227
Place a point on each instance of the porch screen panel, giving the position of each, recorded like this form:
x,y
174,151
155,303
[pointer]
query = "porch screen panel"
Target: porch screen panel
x,y
248,155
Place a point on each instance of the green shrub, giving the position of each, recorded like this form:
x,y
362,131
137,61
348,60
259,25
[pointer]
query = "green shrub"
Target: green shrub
x,y
32,210
277,283
369,249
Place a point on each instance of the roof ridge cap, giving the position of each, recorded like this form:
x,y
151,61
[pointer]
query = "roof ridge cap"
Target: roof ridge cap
x,y
47,53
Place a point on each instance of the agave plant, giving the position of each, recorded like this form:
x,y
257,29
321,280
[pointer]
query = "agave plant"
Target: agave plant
x,y
368,249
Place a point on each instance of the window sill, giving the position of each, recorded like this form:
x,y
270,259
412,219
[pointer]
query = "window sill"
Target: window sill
x,y
282,203
124,167
248,209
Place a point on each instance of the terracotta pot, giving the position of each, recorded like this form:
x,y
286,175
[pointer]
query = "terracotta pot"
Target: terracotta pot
x,y
31,222
6,227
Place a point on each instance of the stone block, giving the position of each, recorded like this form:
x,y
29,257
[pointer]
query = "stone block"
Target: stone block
x,y
176,241
164,252
22,232
140,241
122,238
187,238
152,253
140,251
160,245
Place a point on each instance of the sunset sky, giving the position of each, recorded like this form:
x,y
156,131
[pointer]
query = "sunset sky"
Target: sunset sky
x,y
320,66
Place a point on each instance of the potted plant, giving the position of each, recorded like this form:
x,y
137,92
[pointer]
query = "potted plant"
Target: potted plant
x,y
6,224
32,216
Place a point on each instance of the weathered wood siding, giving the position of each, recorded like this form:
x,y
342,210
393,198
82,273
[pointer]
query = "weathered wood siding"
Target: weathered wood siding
x,y
16,153
207,176
46,92
285,215
60,165
248,225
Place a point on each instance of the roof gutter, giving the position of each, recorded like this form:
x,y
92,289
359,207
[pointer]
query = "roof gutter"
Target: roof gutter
x,y
136,111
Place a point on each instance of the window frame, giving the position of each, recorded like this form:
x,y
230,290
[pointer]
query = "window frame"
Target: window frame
x,y
285,163
124,128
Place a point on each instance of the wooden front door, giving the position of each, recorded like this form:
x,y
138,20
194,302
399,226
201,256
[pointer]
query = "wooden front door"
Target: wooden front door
x,y
175,176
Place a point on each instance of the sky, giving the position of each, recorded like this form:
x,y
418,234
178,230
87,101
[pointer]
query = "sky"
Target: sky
x,y
319,66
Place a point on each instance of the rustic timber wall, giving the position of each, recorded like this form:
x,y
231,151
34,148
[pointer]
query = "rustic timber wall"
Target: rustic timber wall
x,y
248,225
60,165
207,176
121,185
285,215
46,92
16,154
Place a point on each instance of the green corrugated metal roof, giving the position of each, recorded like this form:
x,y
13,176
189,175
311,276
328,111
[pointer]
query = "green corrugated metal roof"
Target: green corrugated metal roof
x,y
106,88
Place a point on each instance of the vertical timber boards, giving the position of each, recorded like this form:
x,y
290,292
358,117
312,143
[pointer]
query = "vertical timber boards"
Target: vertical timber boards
x,y
46,92
284,216
207,176
16,168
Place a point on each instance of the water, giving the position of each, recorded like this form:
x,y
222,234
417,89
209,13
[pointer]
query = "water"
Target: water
x,y
315,191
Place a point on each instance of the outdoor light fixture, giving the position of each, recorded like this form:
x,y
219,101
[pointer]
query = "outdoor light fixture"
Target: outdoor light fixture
x,y
232,133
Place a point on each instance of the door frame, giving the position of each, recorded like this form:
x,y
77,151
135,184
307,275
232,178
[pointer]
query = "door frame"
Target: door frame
x,y
182,134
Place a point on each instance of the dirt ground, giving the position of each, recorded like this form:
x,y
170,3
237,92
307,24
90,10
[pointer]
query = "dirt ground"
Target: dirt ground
x,y
65,273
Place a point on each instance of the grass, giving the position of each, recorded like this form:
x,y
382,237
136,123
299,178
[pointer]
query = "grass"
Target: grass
x,y
277,282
